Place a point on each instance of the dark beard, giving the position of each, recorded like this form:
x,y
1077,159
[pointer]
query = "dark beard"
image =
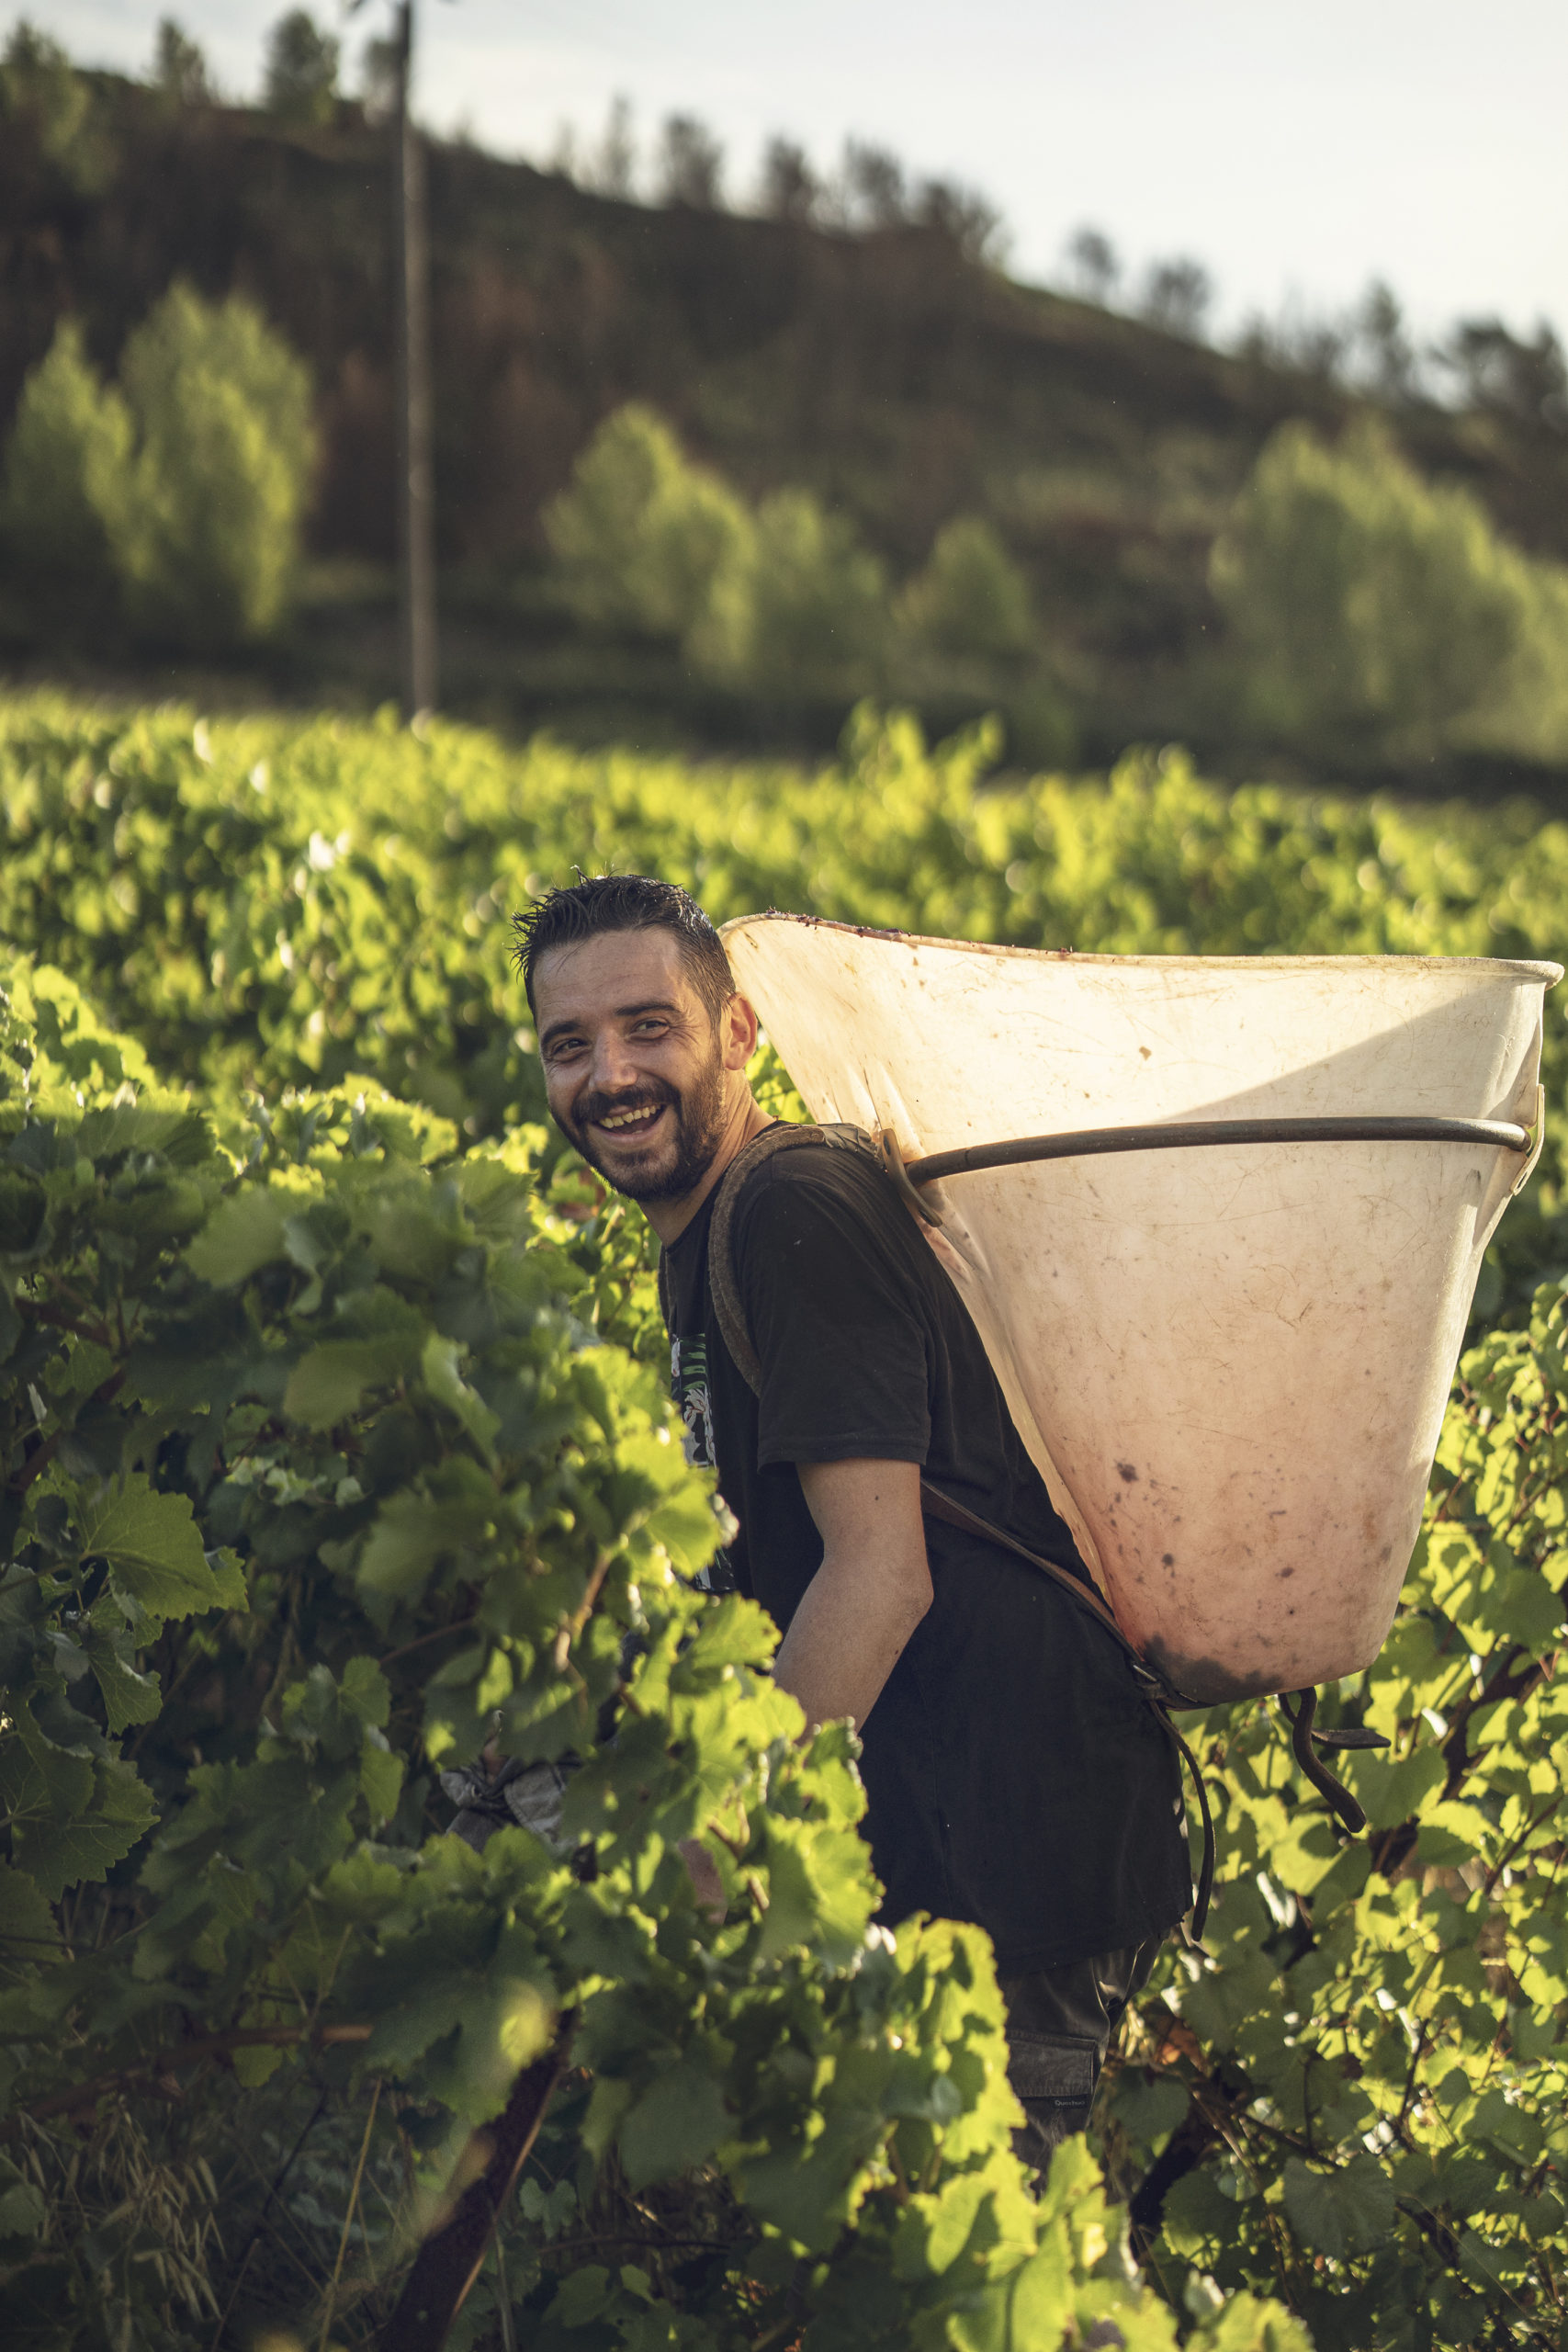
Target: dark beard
x,y
698,1123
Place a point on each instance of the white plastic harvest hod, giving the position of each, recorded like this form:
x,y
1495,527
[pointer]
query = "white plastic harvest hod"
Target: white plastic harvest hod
x,y
1230,1363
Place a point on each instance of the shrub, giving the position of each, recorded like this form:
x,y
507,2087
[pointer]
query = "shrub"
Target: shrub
x,y
1371,606
808,614
65,469
206,537
971,598
641,536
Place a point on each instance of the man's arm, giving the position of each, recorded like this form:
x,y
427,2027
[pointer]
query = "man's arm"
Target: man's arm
x,y
871,1591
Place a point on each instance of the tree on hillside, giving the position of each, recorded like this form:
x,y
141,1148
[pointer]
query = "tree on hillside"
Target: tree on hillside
x,y
790,190
1525,380
179,66
872,192
970,598
641,534
1177,296
614,166
1307,344
206,536
964,216
1095,264
807,615
42,93
301,69
1390,357
65,472
691,165
37,78
1373,606
873,186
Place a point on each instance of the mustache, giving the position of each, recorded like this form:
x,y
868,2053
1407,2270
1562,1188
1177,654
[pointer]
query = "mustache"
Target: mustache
x,y
598,1105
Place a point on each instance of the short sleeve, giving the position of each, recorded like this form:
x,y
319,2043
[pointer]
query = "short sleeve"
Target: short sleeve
x,y
834,1315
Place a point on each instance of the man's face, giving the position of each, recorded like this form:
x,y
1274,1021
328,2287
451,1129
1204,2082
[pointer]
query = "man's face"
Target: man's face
x,y
634,1067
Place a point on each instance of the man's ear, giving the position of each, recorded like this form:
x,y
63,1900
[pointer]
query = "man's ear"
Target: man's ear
x,y
740,1019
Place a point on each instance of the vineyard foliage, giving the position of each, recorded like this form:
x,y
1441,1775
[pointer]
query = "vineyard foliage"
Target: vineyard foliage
x,y
333,1443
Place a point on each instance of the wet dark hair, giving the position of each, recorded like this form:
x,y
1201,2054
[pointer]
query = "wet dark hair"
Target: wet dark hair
x,y
601,902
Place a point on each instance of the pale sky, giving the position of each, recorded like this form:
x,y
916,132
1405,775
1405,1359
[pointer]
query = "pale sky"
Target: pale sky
x,y
1297,150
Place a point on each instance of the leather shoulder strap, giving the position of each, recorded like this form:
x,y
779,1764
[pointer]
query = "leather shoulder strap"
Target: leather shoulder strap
x,y
936,1505
721,1248
726,1290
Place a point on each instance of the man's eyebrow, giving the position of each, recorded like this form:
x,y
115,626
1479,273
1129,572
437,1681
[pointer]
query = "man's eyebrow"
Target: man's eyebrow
x,y
623,1012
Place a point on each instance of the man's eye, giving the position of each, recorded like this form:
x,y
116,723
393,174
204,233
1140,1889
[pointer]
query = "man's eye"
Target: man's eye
x,y
562,1047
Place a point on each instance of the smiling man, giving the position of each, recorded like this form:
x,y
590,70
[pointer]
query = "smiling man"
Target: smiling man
x,y
1014,1775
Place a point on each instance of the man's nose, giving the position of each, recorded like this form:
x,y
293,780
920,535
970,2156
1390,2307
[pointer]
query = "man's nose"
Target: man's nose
x,y
613,1066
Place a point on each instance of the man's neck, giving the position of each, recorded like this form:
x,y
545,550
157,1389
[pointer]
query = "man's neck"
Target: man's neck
x,y
670,1218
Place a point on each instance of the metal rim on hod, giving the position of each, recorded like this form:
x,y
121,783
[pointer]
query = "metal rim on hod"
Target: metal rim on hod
x,y
1088,1142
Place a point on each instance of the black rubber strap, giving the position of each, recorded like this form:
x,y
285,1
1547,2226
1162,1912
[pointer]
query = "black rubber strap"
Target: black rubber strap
x,y
1304,1743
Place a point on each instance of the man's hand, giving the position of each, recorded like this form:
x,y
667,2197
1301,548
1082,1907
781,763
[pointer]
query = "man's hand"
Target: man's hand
x,y
871,1591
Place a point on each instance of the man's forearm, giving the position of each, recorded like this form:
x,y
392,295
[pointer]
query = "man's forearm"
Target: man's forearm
x,y
847,1636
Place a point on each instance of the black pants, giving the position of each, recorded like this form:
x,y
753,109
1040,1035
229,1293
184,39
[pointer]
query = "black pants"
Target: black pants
x,y
1060,2024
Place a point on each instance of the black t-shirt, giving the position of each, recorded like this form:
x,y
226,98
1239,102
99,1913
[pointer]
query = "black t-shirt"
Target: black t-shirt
x,y
1015,1777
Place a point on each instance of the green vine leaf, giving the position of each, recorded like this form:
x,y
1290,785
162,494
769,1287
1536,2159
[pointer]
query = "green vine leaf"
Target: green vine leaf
x,y
154,1550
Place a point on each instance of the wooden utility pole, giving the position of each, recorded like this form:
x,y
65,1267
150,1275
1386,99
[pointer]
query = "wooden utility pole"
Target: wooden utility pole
x,y
410,296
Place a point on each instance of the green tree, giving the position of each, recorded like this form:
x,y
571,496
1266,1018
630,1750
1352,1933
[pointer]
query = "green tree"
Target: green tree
x,y
65,469
808,614
301,69
207,535
970,598
41,92
1373,606
179,67
641,536
1531,714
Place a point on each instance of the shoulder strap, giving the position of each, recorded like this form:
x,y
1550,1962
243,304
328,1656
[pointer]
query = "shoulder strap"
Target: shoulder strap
x,y
721,1250
936,1505
727,1301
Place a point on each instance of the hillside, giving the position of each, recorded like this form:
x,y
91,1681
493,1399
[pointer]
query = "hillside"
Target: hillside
x,y
902,382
